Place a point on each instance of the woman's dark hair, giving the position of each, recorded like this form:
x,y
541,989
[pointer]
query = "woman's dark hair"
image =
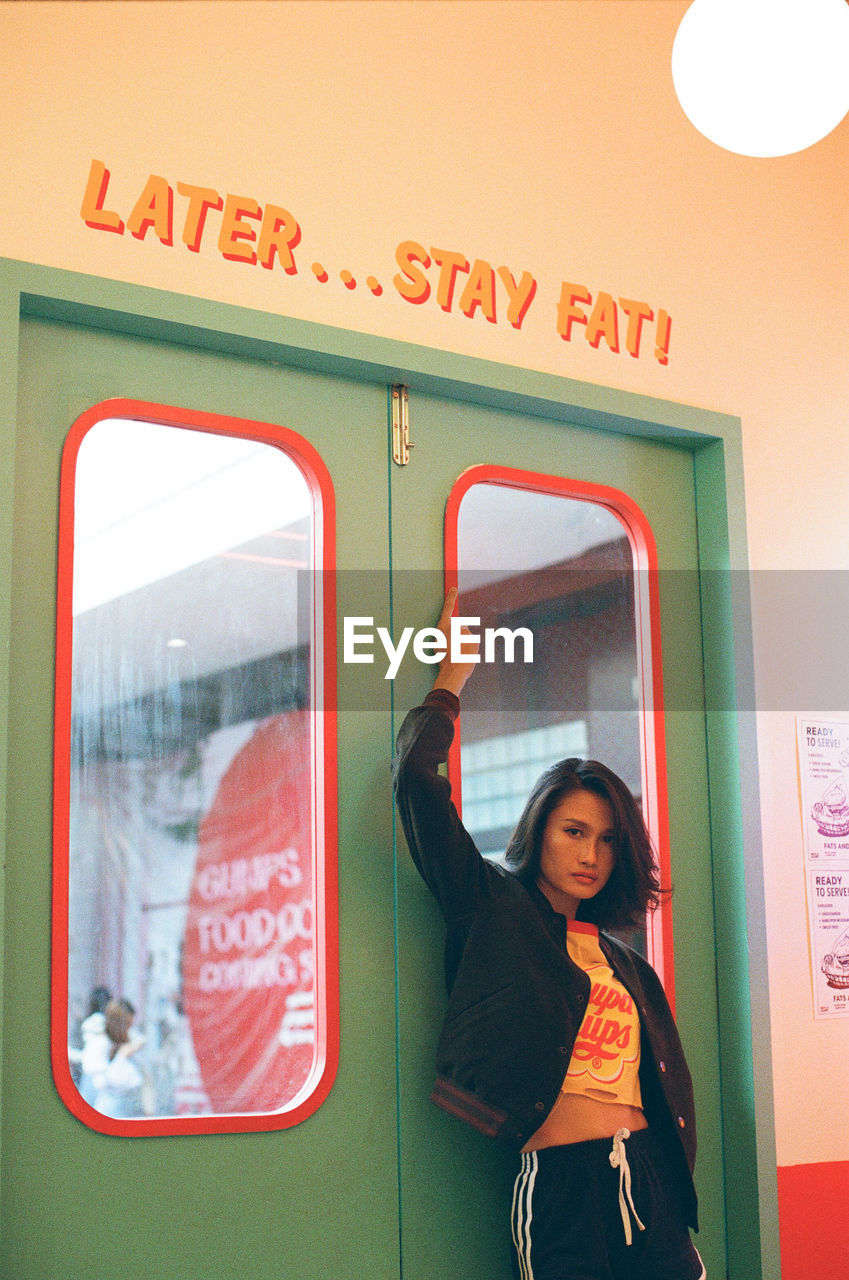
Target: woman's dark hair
x,y
119,1016
99,999
634,886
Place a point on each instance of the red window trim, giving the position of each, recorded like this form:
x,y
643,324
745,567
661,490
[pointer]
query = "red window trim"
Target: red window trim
x,y
647,603
325,873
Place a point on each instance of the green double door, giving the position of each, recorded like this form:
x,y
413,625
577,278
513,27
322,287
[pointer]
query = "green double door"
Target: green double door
x,y
377,1184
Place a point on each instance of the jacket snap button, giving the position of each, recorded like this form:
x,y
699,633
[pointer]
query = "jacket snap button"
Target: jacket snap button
x,y
540,1106
580,997
564,1049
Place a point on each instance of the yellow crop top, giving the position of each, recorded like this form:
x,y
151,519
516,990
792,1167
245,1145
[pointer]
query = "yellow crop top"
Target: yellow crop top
x,y
605,1062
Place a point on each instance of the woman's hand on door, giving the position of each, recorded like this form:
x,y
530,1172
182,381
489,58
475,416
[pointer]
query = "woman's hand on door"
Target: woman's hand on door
x,y
454,672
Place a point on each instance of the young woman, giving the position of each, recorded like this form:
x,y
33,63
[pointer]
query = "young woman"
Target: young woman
x,y
558,1039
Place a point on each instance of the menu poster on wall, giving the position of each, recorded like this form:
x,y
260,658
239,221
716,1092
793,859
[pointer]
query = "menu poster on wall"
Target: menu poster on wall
x,y
823,747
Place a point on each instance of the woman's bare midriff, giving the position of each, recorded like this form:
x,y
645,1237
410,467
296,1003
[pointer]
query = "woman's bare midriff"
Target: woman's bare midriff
x,y
577,1118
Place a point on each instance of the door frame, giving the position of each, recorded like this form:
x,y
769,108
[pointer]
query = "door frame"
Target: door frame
x,y
715,443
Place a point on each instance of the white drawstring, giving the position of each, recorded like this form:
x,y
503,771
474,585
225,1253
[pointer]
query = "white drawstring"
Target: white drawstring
x,y
619,1160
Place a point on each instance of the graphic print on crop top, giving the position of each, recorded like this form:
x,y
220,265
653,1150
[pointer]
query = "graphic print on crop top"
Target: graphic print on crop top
x,y
605,1061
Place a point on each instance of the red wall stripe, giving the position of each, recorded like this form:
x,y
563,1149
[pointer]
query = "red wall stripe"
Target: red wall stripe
x,y
814,1224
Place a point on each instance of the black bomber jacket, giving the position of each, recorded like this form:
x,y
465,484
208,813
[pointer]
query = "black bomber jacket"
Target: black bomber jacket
x,y
515,998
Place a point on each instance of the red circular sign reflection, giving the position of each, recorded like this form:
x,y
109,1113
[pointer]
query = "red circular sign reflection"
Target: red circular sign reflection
x,y
248,960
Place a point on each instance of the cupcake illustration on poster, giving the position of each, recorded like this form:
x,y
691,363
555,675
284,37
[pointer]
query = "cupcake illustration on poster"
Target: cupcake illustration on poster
x,y
835,965
831,811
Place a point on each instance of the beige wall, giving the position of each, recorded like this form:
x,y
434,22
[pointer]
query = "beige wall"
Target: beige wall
x,y
540,136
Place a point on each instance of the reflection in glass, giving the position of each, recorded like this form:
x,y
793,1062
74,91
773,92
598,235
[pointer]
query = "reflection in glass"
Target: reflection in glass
x,y
191,940
562,567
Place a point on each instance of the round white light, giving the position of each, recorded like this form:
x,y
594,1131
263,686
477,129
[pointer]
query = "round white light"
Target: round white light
x,y
763,77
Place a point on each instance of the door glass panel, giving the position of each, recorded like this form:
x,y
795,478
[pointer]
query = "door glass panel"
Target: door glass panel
x,y
562,562
196,987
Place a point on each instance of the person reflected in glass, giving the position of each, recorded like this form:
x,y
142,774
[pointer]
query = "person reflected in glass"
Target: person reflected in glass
x,y
92,1057
119,1083
558,1038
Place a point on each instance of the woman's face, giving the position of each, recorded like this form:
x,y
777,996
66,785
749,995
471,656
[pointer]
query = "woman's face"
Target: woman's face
x,y
578,851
